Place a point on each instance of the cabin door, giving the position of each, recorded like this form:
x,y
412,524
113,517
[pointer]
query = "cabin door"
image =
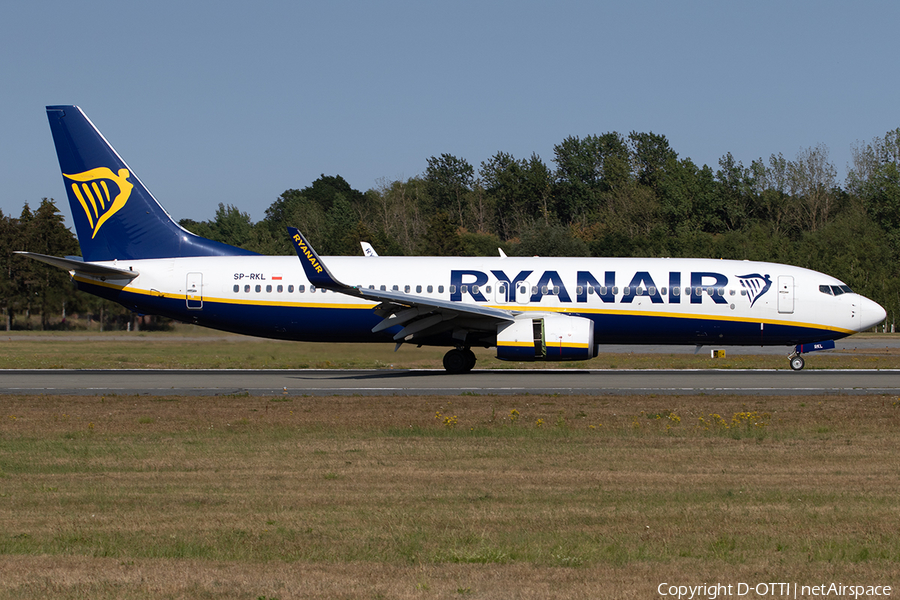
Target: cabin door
x,y
785,294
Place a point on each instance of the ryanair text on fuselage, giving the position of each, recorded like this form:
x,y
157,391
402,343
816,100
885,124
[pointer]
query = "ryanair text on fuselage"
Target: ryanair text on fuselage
x,y
550,283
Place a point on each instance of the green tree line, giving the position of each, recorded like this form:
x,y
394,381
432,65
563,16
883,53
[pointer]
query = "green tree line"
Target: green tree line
x,y
609,195
36,295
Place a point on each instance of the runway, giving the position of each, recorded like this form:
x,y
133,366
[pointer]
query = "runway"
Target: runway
x,y
434,382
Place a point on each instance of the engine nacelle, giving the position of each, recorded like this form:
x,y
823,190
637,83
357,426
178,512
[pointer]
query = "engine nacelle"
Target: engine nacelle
x,y
546,337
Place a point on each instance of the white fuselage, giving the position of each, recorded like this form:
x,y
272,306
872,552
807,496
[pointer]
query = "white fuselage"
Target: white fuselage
x,y
639,300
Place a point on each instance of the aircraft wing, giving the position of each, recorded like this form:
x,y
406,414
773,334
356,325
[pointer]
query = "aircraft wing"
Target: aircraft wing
x,y
419,315
86,268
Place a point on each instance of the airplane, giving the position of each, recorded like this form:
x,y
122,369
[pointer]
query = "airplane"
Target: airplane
x,y
528,309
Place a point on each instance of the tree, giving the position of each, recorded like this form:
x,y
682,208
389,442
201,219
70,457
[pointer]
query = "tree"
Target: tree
x,y
448,180
550,239
442,237
651,155
520,190
811,180
585,169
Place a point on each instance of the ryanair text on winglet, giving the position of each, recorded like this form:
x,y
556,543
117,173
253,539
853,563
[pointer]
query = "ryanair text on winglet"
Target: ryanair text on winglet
x,y
309,255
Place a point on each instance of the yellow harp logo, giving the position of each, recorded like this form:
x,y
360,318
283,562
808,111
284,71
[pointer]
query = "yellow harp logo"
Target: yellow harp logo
x,y
92,188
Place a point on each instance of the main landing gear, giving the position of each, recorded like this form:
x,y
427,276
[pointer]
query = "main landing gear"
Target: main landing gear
x,y
459,360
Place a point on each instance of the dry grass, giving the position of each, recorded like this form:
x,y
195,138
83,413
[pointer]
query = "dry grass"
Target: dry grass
x,y
460,497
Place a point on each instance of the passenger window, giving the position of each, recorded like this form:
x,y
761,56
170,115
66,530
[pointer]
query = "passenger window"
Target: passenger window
x,y
464,289
383,288
290,289
418,289
676,291
556,290
246,288
396,288
501,289
487,290
406,288
312,289
301,289
603,290
651,290
663,291
579,290
429,289
258,289
237,288
268,289
452,289
474,289
440,289
720,291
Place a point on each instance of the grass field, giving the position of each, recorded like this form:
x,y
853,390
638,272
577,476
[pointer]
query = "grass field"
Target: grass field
x,y
191,347
443,497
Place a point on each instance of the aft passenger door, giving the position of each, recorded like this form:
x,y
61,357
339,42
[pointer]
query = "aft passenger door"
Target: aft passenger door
x,y
785,294
194,291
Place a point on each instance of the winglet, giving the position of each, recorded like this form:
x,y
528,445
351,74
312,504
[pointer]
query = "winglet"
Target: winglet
x,y
316,272
368,250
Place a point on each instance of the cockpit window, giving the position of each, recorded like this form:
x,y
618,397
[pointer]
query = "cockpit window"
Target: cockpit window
x,y
835,290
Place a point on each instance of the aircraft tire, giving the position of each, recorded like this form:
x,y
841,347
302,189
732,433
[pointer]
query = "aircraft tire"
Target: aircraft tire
x,y
797,363
458,361
471,359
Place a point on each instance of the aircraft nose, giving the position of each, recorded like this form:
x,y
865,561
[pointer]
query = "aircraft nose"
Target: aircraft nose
x,y
870,314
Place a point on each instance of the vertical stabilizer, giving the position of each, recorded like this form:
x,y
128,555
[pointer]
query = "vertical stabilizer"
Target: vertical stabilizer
x,y
115,216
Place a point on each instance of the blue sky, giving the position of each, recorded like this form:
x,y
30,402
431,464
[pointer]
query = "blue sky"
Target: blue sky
x,y
236,102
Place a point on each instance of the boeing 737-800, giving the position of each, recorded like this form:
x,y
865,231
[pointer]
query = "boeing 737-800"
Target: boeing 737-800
x,y
529,309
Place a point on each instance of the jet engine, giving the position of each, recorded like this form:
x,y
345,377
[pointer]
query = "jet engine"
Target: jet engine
x,y
546,337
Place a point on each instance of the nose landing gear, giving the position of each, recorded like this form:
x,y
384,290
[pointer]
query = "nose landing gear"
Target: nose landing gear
x,y
795,357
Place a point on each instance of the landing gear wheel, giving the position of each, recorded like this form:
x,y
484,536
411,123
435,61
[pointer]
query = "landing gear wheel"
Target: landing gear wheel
x,y
470,359
797,363
459,360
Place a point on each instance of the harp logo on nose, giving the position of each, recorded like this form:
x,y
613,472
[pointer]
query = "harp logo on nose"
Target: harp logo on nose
x,y
756,285
101,193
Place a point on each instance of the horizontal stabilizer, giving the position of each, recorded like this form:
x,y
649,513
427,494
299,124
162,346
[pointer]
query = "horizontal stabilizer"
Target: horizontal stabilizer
x,y
85,268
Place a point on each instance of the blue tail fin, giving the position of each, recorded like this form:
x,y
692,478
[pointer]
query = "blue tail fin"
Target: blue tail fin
x,y
116,217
